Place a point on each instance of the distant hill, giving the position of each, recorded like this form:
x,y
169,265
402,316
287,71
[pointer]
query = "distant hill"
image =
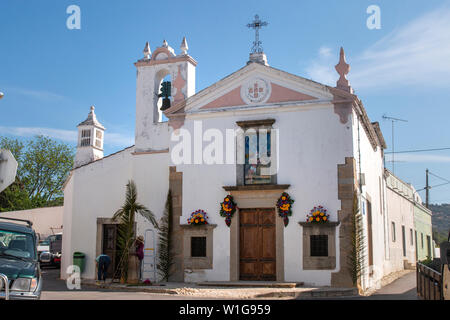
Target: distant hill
x,y
441,221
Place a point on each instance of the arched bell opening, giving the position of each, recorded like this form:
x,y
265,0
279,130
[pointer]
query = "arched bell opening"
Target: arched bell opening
x,y
163,94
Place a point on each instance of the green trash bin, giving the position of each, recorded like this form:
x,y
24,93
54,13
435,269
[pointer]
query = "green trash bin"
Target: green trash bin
x,y
79,260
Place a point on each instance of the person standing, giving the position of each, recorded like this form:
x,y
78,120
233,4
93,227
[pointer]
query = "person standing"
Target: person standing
x,y
140,253
103,262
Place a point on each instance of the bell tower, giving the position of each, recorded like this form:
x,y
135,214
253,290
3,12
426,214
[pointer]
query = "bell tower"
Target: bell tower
x,y
90,140
154,93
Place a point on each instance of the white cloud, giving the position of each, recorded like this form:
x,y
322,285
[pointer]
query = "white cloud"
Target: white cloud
x,y
35,94
65,135
70,136
325,52
417,53
322,69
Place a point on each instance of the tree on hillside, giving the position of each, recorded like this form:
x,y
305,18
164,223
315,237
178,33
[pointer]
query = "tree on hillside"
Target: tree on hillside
x,y
44,164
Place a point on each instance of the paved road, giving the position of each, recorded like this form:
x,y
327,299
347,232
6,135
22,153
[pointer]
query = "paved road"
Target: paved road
x,y
403,288
55,289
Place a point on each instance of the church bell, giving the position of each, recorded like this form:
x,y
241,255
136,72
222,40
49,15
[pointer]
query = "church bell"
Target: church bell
x,y
165,104
166,87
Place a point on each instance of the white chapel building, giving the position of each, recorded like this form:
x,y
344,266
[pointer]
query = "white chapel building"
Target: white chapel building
x,y
322,148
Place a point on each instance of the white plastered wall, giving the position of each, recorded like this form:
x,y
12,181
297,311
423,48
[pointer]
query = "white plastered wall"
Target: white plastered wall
x,y
312,143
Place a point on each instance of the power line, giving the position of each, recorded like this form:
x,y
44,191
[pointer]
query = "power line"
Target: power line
x,y
413,151
448,181
393,120
432,187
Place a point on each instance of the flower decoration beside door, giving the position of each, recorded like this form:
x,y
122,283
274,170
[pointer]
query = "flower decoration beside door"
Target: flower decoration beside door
x,y
227,209
284,205
318,215
198,217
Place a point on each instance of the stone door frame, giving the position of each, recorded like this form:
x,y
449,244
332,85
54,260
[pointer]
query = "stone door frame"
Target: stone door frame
x,y
256,197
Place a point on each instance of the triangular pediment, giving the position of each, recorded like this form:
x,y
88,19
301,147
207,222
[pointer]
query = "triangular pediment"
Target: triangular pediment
x,y
256,85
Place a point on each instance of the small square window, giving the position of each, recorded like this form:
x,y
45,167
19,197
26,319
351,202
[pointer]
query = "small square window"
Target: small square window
x,y
198,247
319,245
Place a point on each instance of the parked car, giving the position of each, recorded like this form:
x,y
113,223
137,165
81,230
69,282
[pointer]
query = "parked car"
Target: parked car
x,y
49,250
19,260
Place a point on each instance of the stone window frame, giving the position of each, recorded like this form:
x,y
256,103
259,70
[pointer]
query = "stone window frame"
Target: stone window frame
x,y
198,263
319,263
240,168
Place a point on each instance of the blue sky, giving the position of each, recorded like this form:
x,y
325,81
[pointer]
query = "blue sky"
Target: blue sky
x,y
51,75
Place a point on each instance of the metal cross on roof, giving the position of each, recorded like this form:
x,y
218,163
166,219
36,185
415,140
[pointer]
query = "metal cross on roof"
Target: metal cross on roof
x,y
257,24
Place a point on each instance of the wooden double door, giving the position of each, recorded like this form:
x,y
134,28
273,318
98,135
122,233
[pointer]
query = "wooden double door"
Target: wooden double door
x,y
257,244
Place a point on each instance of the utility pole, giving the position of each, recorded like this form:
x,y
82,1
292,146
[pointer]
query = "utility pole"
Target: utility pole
x,y
427,188
393,140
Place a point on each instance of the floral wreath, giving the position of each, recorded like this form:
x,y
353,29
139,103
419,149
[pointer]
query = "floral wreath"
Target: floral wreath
x,y
318,215
284,205
227,209
198,217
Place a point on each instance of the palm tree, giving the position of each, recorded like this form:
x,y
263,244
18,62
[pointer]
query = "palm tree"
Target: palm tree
x,y
125,233
165,243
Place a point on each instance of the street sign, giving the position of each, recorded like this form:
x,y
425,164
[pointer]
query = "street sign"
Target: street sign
x,y
8,169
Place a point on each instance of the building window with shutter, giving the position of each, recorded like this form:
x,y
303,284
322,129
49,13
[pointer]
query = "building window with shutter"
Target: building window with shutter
x,y
98,139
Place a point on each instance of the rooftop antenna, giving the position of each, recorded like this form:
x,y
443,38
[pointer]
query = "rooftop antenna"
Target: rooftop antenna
x,y
393,120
